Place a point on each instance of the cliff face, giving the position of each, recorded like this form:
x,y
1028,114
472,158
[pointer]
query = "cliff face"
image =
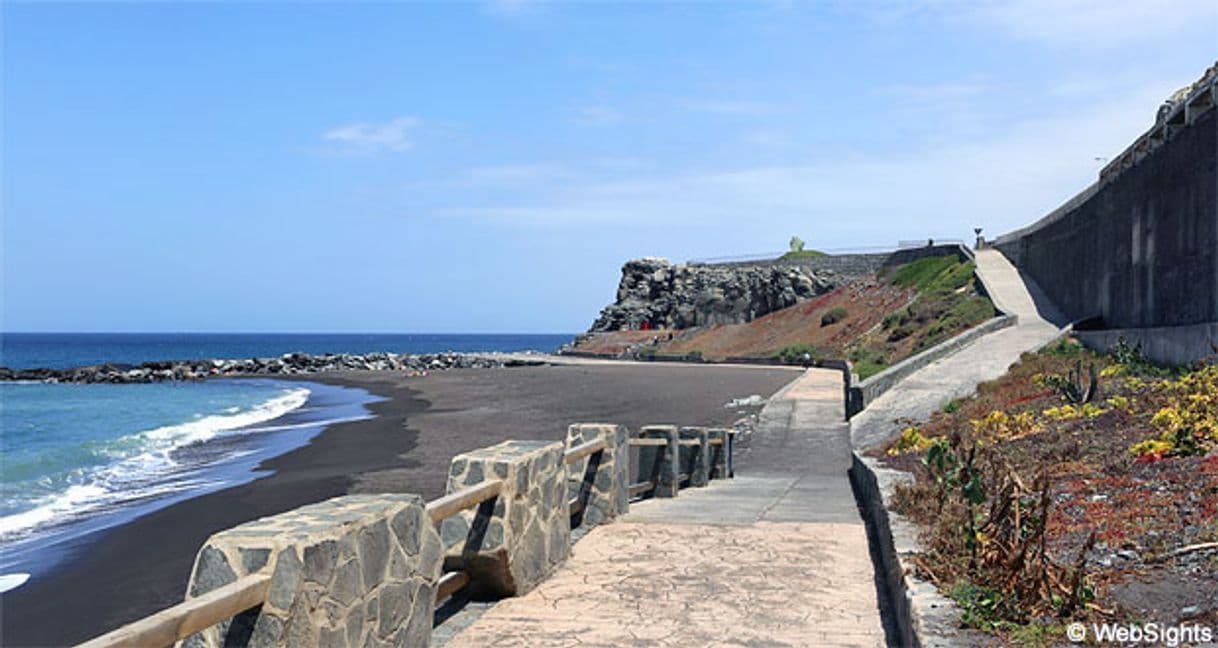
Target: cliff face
x,y
657,293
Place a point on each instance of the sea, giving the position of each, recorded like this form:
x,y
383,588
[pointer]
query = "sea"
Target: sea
x,y
76,459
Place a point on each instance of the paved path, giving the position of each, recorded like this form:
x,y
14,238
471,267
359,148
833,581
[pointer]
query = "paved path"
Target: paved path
x,y
776,557
987,358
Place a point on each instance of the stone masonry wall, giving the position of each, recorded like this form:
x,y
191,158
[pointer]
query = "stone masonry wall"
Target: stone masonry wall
x,y
602,480
511,542
359,570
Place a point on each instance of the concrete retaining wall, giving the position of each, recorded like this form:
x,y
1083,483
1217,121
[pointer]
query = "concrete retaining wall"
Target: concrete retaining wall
x,y
868,390
1170,345
921,615
1139,249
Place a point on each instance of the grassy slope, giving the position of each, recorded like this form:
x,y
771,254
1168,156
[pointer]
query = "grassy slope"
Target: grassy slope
x,y
875,322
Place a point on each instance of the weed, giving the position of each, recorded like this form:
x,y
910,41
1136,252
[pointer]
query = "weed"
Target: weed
x,y
834,316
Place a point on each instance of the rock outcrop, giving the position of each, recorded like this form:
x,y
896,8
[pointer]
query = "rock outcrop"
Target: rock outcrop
x,y
287,364
654,293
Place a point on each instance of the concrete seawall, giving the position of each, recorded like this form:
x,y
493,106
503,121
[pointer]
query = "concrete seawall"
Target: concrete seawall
x,y
1139,249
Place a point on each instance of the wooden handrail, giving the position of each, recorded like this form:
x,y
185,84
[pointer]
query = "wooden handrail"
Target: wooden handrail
x,y
716,441
188,617
689,442
583,450
649,442
463,499
575,505
641,487
450,583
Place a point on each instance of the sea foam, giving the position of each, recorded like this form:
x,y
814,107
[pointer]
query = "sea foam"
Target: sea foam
x,y
144,466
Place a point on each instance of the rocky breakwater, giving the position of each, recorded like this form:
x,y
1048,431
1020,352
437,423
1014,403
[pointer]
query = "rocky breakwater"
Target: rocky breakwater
x,y
655,293
287,364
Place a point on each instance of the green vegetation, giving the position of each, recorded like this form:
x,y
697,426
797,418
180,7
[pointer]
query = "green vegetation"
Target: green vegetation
x,y
932,274
867,361
1017,486
834,316
802,254
794,353
945,304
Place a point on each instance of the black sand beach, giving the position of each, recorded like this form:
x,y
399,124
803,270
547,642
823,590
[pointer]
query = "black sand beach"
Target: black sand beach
x,y
138,568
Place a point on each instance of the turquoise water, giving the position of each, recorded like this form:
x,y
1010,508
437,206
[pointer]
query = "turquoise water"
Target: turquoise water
x,y
70,450
75,459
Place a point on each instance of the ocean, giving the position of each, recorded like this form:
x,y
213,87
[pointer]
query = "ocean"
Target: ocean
x,y
80,458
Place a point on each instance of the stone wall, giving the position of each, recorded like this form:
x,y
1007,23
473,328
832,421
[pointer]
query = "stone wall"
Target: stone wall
x,y
849,266
364,570
600,481
512,542
352,571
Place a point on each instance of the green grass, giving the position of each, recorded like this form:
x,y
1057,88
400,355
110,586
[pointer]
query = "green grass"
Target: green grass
x,y
933,274
867,361
801,254
794,353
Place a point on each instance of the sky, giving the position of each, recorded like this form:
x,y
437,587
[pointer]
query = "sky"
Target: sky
x,y
488,167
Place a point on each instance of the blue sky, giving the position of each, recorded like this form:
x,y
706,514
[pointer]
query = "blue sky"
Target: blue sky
x,y
488,166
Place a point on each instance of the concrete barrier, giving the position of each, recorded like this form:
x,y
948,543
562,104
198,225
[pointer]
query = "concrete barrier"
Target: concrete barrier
x,y
1170,345
351,571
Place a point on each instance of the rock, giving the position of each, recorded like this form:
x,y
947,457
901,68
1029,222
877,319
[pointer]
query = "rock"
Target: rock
x,y
289,363
748,401
1190,612
654,292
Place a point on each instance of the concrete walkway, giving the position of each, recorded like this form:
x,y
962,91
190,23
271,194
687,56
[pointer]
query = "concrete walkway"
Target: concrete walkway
x,y
958,375
776,557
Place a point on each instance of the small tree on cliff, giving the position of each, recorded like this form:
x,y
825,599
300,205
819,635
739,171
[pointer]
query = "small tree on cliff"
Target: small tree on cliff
x,y
797,244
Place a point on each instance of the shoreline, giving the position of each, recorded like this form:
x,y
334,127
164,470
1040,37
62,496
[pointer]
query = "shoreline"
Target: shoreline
x,y
134,569
232,457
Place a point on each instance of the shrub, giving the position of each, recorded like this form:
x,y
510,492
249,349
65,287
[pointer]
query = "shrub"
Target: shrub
x,y
911,440
835,315
867,362
802,254
794,353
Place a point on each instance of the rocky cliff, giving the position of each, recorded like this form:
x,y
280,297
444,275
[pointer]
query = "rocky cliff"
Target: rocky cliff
x,y
657,294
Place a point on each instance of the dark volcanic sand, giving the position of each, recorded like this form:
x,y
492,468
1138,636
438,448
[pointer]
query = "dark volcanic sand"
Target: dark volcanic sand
x,y
138,568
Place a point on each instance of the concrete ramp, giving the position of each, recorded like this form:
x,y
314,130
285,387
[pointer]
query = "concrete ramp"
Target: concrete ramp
x,y
986,358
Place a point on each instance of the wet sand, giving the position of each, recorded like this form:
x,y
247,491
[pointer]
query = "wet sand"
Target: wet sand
x,y
127,572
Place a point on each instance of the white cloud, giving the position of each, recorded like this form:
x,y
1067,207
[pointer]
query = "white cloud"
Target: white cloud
x,y
1004,180
736,107
766,138
515,174
1095,24
511,8
598,115
366,138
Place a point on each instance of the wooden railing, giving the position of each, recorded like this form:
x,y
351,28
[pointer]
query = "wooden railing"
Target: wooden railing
x,y
201,612
180,621
450,505
188,617
465,498
575,453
